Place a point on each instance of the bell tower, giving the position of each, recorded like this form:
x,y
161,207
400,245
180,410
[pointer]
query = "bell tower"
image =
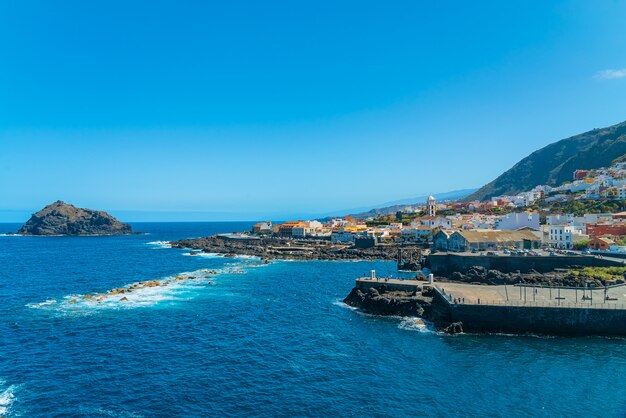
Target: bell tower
x,y
431,206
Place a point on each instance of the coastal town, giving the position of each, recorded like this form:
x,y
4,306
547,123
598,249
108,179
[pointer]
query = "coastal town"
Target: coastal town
x,y
525,221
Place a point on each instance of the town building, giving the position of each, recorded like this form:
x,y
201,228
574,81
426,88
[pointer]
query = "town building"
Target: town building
x,y
600,243
440,239
513,221
416,233
561,236
490,239
262,227
435,222
286,230
616,229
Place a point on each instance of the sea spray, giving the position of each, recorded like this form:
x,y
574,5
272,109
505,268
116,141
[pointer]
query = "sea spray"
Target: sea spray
x,y
7,397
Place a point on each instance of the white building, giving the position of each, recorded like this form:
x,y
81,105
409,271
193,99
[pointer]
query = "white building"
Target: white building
x,y
513,221
416,233
561,236
436,222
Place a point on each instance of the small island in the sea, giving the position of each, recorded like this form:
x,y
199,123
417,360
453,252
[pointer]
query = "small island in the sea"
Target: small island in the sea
x,y
60,218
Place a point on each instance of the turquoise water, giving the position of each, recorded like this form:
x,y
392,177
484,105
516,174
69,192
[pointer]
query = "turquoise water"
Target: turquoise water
x,y
258,340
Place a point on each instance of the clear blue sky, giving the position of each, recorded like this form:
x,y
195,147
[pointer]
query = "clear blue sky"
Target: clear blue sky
x,y
248,109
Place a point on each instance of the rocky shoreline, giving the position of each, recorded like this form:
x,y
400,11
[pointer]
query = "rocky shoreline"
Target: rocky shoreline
x,y
277,248
420,303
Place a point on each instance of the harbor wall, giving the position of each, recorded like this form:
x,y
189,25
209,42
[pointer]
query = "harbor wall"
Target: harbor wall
x,y
540,320
446,263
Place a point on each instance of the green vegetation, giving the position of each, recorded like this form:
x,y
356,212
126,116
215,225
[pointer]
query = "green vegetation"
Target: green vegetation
x,y
580,207
605,275
555,163
582,244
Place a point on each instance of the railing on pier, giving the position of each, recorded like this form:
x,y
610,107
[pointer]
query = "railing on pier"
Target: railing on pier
x,y
581,304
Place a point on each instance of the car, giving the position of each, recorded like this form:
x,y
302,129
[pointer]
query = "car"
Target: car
x,y
491,253
506,251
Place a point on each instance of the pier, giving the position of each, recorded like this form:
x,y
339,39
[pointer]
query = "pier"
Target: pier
x,y
520,308
610,297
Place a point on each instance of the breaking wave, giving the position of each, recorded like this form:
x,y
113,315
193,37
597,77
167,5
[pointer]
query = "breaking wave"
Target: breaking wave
x,y
160,244
144,293
409,323
134,295
7,397
416,324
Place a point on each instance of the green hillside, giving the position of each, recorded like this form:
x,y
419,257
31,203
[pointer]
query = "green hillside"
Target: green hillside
x,y
555,163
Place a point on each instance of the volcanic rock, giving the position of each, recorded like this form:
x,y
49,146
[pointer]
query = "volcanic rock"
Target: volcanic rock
x,y
60,218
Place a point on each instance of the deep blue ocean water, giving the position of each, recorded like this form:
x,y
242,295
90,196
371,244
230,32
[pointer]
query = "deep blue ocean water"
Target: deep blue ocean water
x,y
258,340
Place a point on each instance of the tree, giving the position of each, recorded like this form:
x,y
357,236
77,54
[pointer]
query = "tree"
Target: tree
x,y
582,244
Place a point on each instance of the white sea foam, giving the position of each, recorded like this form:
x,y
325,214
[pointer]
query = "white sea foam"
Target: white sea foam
x,y
7,397
247,257
344,305
46,304
218,255
160,244
90,411
204,255
408,323
135,295
416,324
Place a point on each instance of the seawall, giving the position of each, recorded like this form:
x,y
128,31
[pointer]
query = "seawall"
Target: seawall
x,y
446,263
536,319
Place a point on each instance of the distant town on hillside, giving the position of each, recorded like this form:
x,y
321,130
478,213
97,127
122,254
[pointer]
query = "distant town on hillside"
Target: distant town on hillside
x,y
586,213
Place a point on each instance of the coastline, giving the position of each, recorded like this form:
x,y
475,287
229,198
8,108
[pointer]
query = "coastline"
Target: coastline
x,y
282,249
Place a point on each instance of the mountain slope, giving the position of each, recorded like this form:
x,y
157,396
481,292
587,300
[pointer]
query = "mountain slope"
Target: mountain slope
x,y
555,163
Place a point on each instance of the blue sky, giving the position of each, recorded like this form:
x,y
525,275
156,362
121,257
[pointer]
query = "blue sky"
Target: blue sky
x,y
246,110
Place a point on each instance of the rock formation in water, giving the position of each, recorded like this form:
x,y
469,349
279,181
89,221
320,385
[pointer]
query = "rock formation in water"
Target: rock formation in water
x,y
60,218
384,301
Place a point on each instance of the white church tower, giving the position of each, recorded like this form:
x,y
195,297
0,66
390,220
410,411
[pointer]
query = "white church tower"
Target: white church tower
x,y
431,206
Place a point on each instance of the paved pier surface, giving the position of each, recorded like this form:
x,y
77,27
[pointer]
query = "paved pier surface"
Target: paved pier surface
x,y
464,294
381,280
365,283
510,295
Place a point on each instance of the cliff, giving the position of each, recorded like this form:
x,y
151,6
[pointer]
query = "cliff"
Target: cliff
x,y
60,218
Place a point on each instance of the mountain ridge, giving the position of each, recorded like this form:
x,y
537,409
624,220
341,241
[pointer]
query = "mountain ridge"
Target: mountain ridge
x,y
556,162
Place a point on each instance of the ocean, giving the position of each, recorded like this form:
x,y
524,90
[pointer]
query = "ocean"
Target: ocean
x,y
253,339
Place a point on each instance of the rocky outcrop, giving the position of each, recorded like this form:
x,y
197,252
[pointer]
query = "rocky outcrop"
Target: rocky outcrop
x,y
558,277
454,328
384,301
287,249
61,218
